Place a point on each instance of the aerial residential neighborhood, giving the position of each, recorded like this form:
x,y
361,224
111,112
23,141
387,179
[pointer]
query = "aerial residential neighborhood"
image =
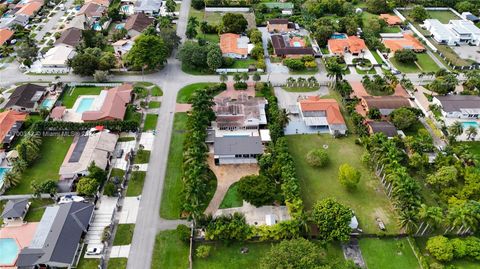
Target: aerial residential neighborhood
x,y
240,134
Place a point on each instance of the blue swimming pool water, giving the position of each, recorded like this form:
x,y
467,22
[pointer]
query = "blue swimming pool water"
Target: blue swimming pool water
x,y
338,36
120,26
9,251
97,27
3,170
125,8
84,105
47,103
297,44
467,124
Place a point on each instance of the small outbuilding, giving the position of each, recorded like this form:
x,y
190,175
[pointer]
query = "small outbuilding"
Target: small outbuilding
x,y
15,211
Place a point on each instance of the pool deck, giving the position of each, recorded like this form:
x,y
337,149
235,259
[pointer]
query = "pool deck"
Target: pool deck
x,y
23,235
72,115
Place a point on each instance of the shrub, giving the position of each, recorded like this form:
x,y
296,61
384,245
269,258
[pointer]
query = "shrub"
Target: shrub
x,y
109,189
227,61
183,232
317,158
240,85
87,186
405,56
203,251
440,248
294,64
348,176
256,189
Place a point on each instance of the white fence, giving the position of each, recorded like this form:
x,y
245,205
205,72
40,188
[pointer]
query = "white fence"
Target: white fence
x,y
235,70
227,9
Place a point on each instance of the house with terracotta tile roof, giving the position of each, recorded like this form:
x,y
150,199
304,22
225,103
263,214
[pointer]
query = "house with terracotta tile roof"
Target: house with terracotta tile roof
x,y
10,123
321,115
235,46
30,8
402,41
114,104
391,20
348,44
5,35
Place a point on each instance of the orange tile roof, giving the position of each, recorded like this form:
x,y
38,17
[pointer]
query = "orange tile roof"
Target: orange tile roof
x,y
390,19
353,44
228,44
114,105
407,42
30,8
8,119
330,106
5,34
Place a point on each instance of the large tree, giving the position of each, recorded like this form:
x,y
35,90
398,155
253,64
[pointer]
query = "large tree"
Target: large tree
x,y
407,56
258,190
87,186
293,254
332,219
403,118
234,23
377,6
87,61
148,51
419,13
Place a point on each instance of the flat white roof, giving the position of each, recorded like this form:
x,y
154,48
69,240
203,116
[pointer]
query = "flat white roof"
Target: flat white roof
x,y
58,55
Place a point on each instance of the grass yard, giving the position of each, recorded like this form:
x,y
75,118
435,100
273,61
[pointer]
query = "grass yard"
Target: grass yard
x,y
135,184
70,96
301,89
156,91
388,253
117,172
87,263
172,189
414,129
212,38
232,198
376,56
117,263
444,16
368,200
46,166
125,139
2,205
124,234
312,71
243,63
142,156
37,208
210,17
131,114
391,29
150,122
425,64
364,72
186,92
154,104
169,251
474,147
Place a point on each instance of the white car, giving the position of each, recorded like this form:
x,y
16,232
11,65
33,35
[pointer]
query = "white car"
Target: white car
x,y
94,250
70,198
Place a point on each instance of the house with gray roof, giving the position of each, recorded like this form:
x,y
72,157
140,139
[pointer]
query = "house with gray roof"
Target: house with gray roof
x,y
459,106
57,240
15,211
84,150
150,7
27,97
237,149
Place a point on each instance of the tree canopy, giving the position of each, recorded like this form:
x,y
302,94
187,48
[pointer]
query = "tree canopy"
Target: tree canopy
x,y
148,51
294,254
234,23
332,220
348,176
257,190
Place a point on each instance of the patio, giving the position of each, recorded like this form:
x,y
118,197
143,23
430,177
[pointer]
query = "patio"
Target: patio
x,y
74,114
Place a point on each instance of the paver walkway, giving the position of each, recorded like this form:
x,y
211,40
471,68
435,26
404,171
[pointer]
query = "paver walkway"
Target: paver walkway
x,y
226,176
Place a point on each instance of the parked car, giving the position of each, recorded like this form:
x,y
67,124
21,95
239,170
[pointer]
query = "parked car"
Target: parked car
x,y
94,250
70,198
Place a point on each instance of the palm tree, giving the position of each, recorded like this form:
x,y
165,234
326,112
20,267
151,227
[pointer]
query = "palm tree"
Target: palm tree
x,y
301,81
11,179
407,220
471,132
455,129
237,77
430,216
312,81
256,77
223,77
283,117
290,81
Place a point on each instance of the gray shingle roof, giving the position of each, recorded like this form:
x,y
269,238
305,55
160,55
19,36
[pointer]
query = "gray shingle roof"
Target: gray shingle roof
x,y
452,103
23,96
231,145
384,127
14,208
64,235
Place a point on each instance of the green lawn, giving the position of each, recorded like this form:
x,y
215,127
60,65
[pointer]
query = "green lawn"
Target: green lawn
x,y
156,91
131,114
52,153
87,263
2,205
243,63
210,17
388,253
368,201
212,38
125,139
376,56
71,95
232,198
186,92
391,29
474,147
413,130
363,72
301,89
117,263
143,156
117,172
172,189
37,208
154,104
150,122
124,234
444,16
169,251
426,63
135,184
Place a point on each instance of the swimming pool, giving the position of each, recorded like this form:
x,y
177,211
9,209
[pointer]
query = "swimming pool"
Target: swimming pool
x,y
3,171
97,27
338,36
120,26
84,105
297,44
467,124
9,251
47,103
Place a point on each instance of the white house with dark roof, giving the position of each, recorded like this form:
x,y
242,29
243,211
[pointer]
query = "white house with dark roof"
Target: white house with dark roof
x,y
58,239
237,149
459,106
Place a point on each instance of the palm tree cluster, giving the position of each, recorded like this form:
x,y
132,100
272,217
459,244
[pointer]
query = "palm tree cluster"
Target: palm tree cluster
x,y
65,127
389,163
302,82
196,173
28,150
